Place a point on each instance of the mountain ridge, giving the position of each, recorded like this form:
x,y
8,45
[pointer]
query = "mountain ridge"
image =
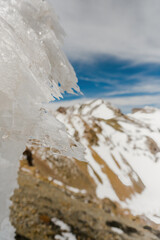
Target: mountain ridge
x,y
122,149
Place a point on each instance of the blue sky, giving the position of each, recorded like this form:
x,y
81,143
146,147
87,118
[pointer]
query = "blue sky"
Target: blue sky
x,y
114,47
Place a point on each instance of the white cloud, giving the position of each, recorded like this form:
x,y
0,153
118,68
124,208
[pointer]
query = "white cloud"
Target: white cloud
x,y
135,101
146,84
127,29
126,104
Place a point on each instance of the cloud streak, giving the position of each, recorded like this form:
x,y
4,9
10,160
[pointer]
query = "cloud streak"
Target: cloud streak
x,y
123,29
126,104
146,84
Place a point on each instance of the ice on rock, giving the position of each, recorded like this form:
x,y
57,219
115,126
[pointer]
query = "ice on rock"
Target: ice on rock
x,y
33,70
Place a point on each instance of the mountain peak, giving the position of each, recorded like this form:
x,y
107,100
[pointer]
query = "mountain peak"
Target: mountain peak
x,y
122,151
98,108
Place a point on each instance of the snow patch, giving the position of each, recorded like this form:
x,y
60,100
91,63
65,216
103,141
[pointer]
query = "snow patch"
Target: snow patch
x,y
66,230
117,230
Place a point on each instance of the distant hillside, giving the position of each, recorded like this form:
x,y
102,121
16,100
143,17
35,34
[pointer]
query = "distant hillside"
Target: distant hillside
x,y
123,152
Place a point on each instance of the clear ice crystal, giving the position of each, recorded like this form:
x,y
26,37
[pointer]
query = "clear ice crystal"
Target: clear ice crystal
x,y
33,71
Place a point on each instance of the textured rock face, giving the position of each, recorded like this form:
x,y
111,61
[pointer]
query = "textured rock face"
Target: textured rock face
x,y
44,210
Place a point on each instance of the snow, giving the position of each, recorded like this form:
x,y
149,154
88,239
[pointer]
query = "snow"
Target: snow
x,y
94,103
70,188
58,182
103,112
66,236
117,230
101,187
147,202
76,190
135,161
66,230
144,164
61,224
25,170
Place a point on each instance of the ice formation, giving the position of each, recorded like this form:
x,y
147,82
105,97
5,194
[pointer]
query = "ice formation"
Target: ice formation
x,y
33,70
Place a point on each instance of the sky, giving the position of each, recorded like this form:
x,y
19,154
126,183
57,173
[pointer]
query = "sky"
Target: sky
x,y
114,48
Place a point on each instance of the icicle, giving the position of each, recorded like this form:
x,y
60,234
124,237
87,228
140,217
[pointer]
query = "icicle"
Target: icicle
x,y
33,69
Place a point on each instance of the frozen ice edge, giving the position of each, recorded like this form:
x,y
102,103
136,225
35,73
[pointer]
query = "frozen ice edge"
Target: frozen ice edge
x,y
33,69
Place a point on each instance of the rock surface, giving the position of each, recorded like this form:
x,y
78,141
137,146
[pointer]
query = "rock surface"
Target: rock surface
x,y
45,209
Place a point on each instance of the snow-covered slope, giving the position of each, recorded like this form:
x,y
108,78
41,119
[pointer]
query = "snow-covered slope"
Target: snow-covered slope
x,y
123,152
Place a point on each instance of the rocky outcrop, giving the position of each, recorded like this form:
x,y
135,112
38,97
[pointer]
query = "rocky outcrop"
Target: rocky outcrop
x,y
44,210
152,145
134,110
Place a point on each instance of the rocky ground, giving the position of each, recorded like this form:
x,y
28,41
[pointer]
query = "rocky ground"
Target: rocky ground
x,y
44,209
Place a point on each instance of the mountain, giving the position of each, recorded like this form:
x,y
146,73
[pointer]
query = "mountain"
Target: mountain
x,y
123,152
112,194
